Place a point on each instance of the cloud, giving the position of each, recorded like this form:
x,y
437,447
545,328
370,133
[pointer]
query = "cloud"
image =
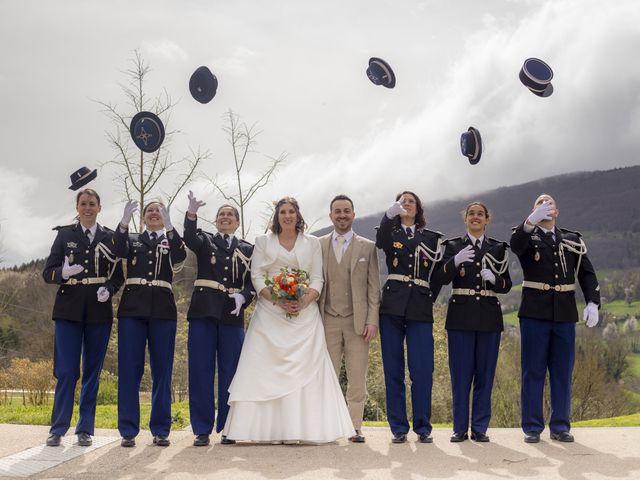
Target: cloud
x,y
165,49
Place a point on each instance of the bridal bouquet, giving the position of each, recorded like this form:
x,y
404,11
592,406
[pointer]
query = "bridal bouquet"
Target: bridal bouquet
x,y
290,284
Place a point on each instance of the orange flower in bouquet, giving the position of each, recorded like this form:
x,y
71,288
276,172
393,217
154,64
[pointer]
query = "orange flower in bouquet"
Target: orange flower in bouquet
x,y
289,285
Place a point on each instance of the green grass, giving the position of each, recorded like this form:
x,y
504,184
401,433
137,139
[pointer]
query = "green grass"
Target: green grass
x,y
632,420
620,308
511,318
634,365
106,415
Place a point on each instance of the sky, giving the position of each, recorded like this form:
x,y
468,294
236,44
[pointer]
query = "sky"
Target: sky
x,y
296,69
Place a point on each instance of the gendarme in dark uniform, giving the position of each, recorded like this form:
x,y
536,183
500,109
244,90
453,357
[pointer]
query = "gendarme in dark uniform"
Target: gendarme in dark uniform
x,y
83,324
147,313
552,260
215,333
474,325
406,312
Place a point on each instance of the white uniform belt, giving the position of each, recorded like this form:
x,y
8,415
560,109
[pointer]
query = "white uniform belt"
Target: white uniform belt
x,y
151,283
407,278
472,292
85,281
546,286
215,285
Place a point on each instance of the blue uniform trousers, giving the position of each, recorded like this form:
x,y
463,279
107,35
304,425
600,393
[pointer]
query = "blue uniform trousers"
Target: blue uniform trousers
x,y
210,341
473,357
419,337
546,345
72,340
133,335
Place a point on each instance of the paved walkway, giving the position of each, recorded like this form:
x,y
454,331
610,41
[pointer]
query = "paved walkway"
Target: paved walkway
x,y
597,453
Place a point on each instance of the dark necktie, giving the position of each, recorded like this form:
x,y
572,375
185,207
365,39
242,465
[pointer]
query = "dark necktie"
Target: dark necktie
x,y
551,236
477,245
87,233
226,239
153,236
409,233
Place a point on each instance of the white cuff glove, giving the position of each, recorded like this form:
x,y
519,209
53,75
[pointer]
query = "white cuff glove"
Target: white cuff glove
x,y
129,208
194,204
542,212
103,294
166,218
70,270
464,255
488,276
395,209
590,314
239,299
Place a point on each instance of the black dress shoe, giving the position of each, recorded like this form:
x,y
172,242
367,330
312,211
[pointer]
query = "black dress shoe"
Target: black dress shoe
x,y
84,439
399,438
531,437
357,438
479,436
53,440
425,438
458,437
161,441
128,442
562,437
227,441
201,440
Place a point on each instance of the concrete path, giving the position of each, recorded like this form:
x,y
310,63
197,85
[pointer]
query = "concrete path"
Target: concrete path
x,y
597,453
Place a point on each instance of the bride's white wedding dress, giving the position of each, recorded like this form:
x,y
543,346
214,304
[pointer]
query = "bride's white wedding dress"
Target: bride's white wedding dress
x,y
285,387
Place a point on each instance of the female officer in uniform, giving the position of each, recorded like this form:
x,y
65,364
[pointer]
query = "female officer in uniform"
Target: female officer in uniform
x,y
406,312
147,313
216,315
89,274
478,267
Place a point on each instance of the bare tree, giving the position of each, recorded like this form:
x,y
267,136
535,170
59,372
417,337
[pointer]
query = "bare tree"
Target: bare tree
x,y
138,173
242,139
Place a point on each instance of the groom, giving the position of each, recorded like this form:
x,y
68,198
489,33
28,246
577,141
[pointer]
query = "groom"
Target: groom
x,y
349,303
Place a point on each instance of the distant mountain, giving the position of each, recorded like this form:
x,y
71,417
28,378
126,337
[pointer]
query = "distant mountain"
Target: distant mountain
x,y
603,205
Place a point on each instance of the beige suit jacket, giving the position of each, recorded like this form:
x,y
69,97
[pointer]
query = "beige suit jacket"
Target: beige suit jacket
x,y
365,280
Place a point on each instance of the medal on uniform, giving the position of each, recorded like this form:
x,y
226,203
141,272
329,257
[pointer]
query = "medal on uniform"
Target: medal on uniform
x,y
213,260
462,272
395,262
536,257
134,261
71,257
425,263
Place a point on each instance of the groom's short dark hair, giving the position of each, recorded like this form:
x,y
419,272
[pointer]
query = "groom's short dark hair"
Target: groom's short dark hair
x,y
342,196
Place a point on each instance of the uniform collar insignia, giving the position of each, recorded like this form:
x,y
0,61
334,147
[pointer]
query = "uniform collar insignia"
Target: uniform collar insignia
x,y
72,245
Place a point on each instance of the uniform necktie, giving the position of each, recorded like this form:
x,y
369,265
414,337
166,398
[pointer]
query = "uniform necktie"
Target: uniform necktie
x,y
153,236
338,250
477,245
87,233
551,236
409,233
226,239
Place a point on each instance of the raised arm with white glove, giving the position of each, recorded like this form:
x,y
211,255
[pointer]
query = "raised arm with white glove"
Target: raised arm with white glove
x,y
541,212
465,255
129,208
590,314
194,204
395,209
239,299
166,218
70,270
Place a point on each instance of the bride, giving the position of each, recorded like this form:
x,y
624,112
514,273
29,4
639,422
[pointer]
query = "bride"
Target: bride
x,y
285,387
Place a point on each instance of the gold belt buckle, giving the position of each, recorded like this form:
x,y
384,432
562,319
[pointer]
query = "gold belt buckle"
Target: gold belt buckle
x,y
546,287
143,281
73,281
153,282
483,293
557,288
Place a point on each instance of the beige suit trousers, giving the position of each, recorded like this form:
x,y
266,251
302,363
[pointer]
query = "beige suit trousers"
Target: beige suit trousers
x,y
342,339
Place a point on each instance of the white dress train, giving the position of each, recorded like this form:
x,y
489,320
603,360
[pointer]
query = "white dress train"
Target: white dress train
x,y
285,387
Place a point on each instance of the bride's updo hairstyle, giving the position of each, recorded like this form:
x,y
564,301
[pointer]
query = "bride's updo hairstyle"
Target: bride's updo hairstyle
x,y
300,223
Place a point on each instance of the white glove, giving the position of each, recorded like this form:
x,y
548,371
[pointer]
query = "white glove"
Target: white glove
x,y
103,294
166,218
239,299
542,212
129,207
488,276
395,209
70,270
464,255
590,314
194,204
